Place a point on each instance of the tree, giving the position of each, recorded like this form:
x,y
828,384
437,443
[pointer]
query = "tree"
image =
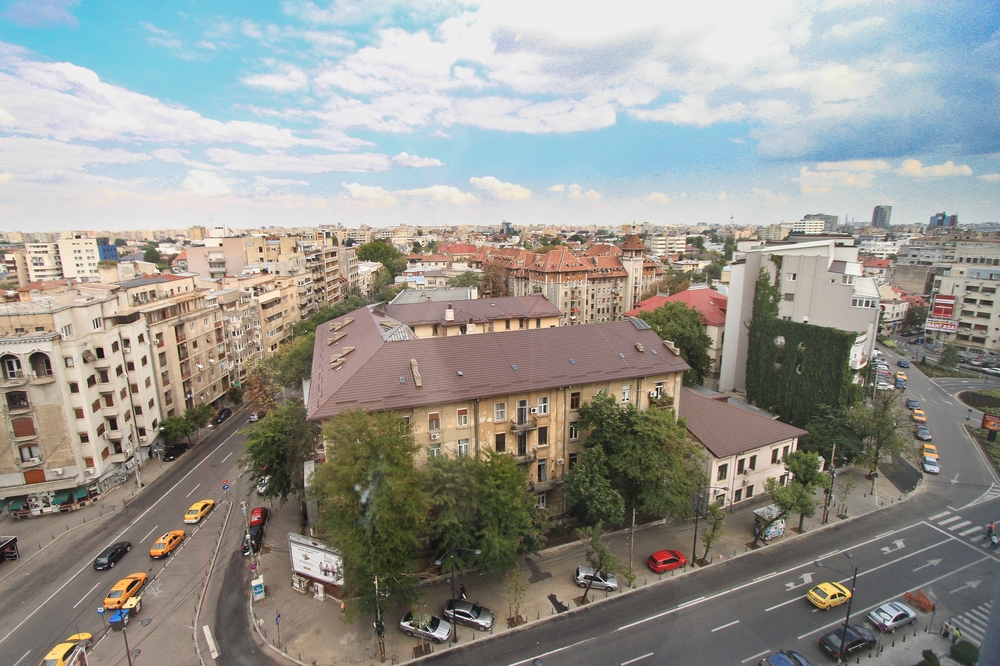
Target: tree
x,y
829,429
673,321
697,241
466,279
599,556
785,499
516,586
716,520
235,395
106,263
588,489
353,302
199,416
176,428
276,448
385,254
261,387
494,280
120,242
806,470
152,255
417,247
372,505
916,316
577,238
293,362
949,357
877,425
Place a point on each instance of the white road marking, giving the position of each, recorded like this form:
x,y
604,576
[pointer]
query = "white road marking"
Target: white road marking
x,y
225,459
215,650
958,526
940,515
725,626
950,520
147,536
693,601
759,654
116,539
624,663
969,531
783,603
22,658
192,490
84,597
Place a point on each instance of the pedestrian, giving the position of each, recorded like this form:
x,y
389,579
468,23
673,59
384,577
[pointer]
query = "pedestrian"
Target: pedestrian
x,y
990,531
461,592
994,542
946,629
956,635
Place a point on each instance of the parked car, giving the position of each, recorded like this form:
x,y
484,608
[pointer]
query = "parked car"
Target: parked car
x,y
253,540
908,334
784,658
991,371
930,451
903,363
912,403
172,451
666,560
125,589
436,629
166,544
60,655
258,516
828,595
585,576
915,341
223,414
924,433
464,612
931,465
111,554
198,511
884,386
857,638
918,416
891,616
257,416
976,362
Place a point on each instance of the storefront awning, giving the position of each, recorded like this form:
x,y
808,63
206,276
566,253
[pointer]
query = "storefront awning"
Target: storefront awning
x,y
4,503
79,493
16,503
61,497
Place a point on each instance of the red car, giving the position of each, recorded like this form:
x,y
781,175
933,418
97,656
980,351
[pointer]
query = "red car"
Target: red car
x,y
258,516
666,560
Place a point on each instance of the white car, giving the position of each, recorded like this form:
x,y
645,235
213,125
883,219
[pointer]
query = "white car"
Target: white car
x,y
436,629
891,616
884,386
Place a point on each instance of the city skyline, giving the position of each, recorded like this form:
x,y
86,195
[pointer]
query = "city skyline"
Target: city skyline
x,y
425,113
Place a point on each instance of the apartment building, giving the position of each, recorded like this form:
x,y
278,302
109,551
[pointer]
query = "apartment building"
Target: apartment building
x,y
964,309
467,317
662,246
348,257
516,393
16,263
78,257
892,310
216,261
277,300
241,325
43,261
821,283
79,399
323,264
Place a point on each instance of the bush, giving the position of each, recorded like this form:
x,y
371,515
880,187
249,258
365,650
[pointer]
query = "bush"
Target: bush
x,y
929,659
965,653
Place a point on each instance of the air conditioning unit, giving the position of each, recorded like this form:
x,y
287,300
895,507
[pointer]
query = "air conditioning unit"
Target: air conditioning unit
x,y
533,410
746,472
34,461
56,471
654,394
435,435
745,482
91,471
560,461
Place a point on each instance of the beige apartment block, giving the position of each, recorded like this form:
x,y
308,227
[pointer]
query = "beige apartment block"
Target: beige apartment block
x,y
217,261
78,257
976,314
43,261
348,269
277,300
323,264
241,326
517,393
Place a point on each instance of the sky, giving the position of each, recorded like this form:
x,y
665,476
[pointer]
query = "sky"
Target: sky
x,y
118,114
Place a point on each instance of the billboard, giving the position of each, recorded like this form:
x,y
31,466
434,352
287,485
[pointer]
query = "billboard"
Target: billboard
x,y
315,559
943,307
945,325
991,422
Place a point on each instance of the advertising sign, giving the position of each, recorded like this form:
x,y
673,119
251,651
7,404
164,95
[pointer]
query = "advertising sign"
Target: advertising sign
x,y
946,325
315,559
991,422
943,307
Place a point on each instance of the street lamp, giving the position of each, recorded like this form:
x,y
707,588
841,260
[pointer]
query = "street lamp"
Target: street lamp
x,y
451,555
850,600
697,515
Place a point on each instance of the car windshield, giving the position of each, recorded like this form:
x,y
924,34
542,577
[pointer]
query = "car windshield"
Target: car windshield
x,y
882,613
159,546
193,512
476,610
433,624
116,594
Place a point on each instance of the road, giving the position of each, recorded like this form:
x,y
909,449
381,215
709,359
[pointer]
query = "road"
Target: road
x,y
57,592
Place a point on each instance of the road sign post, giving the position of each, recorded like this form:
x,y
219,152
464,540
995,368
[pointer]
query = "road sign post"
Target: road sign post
x,y
277,623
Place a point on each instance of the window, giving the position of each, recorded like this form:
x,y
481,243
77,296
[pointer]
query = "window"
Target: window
x,y
142,432
753,464
30,452
723,472
626,393
74,387
122,394
17,400
84,437
538,322
99,351
507,324
434,451
847,279
500,411
738,495
149,381
24,427
96,406
112,423
749,491
462,418
114,346
101,430
573,458
66,331
463,447
434,421
791,277
741,465
501,442
138,410
543,470
774,456
864,302
573,432
522,411
96,323
543,405
68,360
543,436
103,377
789,297
144,361
109,399
541,501
784,452
522,323
574,400
78,412
91,381
119,371
134,388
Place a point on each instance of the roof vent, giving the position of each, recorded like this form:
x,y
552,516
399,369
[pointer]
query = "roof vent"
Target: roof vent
x,y
449,313
513,367
416,372
654,351
639,346
333,338
460,373
621,355
402,380
337,325
572,362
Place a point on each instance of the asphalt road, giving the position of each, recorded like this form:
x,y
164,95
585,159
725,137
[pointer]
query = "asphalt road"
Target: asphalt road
x,y
57,592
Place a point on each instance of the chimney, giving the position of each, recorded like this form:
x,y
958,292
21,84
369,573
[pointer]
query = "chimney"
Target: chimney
x,y
449,313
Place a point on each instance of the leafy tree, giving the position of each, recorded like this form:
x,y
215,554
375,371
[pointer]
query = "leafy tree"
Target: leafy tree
x,y
417,247
385,254
495,280
877,425
829,429
785,498
915,317
176,428
293,362
152,255
353,301
577,238
120,242
199,416
235,395
599,556
949,357
685,328
588,489
804,467
261,387
466,279
516,587
276,448
372,505
716,528
697,241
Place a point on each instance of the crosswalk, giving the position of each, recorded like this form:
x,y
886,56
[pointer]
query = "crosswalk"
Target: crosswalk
x,y
962,528
991,494
973,622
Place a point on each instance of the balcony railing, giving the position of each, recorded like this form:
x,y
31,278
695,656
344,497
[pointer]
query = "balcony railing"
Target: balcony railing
x,y
527,457
524,426
542,486
181,338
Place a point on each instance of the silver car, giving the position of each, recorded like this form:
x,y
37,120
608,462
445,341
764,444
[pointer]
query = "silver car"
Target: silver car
x,y
585,577
436,629
469,614
931,465
890,616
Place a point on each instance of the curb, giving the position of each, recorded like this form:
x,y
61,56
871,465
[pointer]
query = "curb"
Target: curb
x,y
208,579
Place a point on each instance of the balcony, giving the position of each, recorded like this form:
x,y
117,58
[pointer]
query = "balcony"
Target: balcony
x,y
524,426
542,486
180,338
14,378
528,457
43,377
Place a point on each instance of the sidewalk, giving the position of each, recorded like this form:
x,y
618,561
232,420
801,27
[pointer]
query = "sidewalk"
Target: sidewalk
x,y
314,632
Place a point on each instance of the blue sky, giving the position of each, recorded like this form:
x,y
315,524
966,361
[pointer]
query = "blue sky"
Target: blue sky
x,y
119,114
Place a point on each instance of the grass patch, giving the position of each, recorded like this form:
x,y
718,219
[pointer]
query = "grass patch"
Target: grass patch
x,y
986,401
938,371
991,449
891,344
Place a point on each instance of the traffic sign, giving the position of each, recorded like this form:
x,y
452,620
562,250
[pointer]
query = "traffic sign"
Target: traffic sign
x,y
253,567
277,618
225,485
100,610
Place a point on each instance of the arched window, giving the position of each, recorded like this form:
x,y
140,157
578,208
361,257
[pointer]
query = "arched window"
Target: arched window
x,y
11,367
40,364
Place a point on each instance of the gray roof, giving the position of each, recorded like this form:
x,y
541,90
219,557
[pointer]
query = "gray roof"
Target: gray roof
x,y
477,311
362,369
726,430
145,280
441,294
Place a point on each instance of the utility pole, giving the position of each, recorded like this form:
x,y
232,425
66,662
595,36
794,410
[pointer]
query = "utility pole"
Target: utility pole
x,y
631,547
829,491
379,625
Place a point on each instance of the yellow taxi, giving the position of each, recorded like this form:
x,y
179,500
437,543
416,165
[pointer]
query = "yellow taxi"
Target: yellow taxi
x,y
901,375
124,590
828,595
918,416
198,511
166,544
930,451
60,654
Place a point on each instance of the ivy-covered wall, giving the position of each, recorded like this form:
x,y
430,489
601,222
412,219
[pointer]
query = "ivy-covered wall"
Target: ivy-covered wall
x,y
794,367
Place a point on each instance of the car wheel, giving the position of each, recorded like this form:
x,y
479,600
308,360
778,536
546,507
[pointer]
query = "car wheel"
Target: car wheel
x,y
128,549
581,585
609,589
408,633
437,641
828,608
112,565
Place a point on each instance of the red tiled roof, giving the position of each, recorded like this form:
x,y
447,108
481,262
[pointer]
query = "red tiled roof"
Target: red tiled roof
x,y
710,303
376,374
633,242
727,430
872,262
457,248
603,249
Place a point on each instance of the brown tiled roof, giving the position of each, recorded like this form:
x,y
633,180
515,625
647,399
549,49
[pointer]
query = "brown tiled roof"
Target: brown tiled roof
x,y
603,249
477,310
633,242
376,374
556,261
726,430
710,303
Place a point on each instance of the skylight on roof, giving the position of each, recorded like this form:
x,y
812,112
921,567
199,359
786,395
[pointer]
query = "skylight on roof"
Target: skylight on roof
x,y
460,373
621,355
513,367
402,380
572,362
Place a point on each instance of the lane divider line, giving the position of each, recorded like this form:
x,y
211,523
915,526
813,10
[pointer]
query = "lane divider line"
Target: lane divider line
x,y
725,626
84,597
632,661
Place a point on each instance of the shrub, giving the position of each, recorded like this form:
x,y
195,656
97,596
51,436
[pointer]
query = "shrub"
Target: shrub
x,y
929,659
965,653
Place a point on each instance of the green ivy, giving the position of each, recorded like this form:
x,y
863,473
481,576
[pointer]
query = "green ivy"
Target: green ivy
x,y
811,367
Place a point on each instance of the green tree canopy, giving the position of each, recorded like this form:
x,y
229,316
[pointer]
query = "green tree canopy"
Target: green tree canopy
x,y
805,468
235,395
293,362
199,416
494,280
466,279
385,254
589,492
600,557
276,448
877,425
949,357
684,327
176,428
829,429
916,316
373,507
152,255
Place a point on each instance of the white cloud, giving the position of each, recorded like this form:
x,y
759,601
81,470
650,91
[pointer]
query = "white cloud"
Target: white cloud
x,y
289,79
380,196
854,165
441,193
990,177
177,156
769,195
500,190
312,163
557,188
657,197
40,12
264,180
694,110
845,30
825,180
914,169
736,139
723,196
206,184
406,160
369,193
577,192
